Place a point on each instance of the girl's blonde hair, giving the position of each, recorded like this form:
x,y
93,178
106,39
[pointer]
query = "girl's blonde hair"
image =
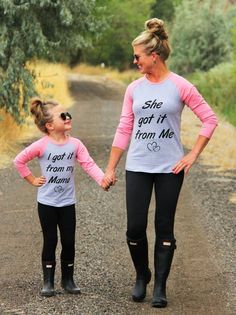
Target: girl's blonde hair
x,y
154,39
40,111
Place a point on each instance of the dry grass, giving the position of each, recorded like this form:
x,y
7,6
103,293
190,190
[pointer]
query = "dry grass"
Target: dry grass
x,y
51,83
107,73
220,151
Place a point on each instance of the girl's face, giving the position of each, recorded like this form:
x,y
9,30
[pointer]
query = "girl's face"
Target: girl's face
x,y
143,61
61,120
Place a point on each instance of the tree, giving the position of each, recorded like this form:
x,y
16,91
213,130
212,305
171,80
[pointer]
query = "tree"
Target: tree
x,y
55,30
126,20
200,37
164,9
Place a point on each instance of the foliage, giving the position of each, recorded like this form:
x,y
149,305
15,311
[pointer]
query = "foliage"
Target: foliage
x,y
126,20
55,30
218,87
164,9
200,37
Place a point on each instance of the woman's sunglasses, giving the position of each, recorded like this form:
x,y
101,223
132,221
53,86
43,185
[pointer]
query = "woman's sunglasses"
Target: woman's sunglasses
x,y
65,115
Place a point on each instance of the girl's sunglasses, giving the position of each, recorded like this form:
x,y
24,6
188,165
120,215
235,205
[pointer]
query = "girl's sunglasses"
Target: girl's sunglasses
x,y
65,115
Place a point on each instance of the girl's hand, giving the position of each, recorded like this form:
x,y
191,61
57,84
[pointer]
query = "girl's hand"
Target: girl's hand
x,y
185,163
39,181
111,175
108,180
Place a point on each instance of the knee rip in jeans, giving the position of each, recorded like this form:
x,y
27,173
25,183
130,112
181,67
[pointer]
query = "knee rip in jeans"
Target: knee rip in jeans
x,y
133,243
166,243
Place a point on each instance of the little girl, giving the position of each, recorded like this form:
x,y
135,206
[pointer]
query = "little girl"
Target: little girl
x,y
57,153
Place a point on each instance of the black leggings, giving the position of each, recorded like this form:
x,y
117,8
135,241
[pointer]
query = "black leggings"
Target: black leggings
x,y
139,188
63,217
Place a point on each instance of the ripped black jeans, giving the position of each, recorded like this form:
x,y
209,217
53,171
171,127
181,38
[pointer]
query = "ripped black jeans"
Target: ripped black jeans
x,y
139,187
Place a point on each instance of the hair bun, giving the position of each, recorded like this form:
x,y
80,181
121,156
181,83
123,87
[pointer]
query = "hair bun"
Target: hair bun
x,y
35,105
156,26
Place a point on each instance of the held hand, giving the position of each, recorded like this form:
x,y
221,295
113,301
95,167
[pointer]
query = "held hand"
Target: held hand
x,y
39,181
111,175
185,163
108,180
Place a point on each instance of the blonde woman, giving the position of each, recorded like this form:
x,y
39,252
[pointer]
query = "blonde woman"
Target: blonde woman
x,y
150,125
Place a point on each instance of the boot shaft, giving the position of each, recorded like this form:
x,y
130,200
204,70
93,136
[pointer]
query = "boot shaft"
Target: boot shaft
x,y
163,256
48,278
139,254
67,269
67,277
48,270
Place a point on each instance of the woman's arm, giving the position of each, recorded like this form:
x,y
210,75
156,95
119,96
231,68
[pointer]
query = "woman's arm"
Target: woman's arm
x,y
115,156
189,159
195,101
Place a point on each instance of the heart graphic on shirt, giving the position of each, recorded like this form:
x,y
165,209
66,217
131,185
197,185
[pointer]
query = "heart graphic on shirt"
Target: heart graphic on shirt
x,y
58,189
153,146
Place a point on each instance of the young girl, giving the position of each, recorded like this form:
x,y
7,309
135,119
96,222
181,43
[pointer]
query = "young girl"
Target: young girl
x,y
57,153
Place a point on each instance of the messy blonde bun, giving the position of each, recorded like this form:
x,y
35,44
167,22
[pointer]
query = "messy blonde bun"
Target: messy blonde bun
x,y
40,111
154,38
156,26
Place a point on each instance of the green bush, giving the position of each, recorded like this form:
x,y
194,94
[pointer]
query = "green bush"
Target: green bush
x,y
200,36
218,88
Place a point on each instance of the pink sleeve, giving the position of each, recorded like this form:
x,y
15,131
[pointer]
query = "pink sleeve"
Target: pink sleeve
x,y
88,164
194,100
125,127
34,150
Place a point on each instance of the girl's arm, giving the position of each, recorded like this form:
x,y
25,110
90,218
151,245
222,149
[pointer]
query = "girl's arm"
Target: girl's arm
x,y
88,164
35,181
32,151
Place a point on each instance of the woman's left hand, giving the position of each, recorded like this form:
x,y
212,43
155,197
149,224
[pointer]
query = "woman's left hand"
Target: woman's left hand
x,y
185,163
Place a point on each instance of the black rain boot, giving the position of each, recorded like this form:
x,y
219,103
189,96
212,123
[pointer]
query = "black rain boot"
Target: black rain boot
x,y
139,253
48,278
67,280
164,252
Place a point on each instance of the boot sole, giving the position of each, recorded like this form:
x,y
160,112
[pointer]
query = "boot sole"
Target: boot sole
x,y
138,299
47,294
159,304
72,292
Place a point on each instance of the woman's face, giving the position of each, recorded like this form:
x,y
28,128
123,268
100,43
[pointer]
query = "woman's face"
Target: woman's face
x,y
143,61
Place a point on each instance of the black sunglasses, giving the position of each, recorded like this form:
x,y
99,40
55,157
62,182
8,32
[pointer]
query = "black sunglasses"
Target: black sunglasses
x,y
136,57
65,115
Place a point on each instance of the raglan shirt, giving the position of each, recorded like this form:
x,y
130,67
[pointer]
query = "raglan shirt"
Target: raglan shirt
x,y
57,163
150,121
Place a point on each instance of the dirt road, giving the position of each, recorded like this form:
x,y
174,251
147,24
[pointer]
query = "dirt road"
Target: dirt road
x,y
203,274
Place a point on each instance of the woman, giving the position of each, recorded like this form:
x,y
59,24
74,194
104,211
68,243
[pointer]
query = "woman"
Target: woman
x,y
151,117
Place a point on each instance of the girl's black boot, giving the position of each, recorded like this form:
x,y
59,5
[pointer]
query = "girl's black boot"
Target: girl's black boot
x,y
67,277
139,253
164,252
48,278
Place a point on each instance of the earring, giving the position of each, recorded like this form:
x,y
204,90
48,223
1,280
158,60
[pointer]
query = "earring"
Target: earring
x,y
154,61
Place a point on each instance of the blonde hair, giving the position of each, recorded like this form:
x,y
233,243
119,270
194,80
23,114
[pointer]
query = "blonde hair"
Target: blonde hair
x,y
40,111
154,39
